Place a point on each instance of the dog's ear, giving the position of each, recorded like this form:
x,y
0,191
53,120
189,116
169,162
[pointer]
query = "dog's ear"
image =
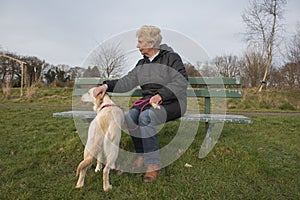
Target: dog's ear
x,y
99,100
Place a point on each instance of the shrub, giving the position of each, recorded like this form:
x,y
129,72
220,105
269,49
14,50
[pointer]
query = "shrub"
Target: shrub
x,y
264,104
31,92
287,106
6,91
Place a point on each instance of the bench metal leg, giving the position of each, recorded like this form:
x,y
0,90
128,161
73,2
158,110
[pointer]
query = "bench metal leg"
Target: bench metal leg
x,y
209,141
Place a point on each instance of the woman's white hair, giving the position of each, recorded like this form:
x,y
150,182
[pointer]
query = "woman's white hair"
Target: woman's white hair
x,y
151,34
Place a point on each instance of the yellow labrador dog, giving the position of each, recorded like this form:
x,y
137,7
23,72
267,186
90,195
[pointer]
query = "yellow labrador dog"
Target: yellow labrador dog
x,y
104,136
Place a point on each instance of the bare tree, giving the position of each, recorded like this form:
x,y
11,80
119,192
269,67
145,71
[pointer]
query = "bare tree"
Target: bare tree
x,y
291,70
91,72
250,67
76,72
290,73
262,22
191,70
34,69
294,47
109,59
227,66
207,69
9,71
276,79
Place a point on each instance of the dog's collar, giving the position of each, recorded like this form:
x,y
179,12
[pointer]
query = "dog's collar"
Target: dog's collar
x,y
109,105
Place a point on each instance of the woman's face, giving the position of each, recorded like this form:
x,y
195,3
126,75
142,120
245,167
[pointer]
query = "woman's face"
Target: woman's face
x,y
144,46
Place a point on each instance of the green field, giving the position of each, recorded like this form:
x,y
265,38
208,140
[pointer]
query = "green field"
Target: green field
x,y
39,156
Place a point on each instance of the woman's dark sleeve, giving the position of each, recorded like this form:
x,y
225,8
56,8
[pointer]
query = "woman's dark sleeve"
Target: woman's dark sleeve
x,y
124,84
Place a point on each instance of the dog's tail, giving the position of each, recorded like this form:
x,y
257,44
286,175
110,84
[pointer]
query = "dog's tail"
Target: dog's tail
x,y
84,164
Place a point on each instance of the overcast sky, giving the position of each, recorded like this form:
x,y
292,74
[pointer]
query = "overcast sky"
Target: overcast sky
x,y
66,31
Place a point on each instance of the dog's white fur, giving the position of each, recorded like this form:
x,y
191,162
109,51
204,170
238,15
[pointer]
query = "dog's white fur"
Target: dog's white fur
x,y
104,136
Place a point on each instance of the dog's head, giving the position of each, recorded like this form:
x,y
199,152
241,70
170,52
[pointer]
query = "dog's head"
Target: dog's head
x,y
89,98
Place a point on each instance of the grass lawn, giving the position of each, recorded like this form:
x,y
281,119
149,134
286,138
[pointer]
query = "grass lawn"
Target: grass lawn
x,y
39,156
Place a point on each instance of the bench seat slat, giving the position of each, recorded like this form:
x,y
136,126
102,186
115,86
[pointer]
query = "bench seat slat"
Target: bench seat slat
x,y
218,118
211,118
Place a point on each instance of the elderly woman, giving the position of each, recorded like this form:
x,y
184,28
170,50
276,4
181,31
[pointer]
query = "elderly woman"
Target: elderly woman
x,y
163,80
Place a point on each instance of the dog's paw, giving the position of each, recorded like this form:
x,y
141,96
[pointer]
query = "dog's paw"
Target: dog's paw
x,y
109,187
79,186
98,168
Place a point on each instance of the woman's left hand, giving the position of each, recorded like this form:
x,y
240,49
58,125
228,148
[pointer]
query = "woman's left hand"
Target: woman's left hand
x,y
155,99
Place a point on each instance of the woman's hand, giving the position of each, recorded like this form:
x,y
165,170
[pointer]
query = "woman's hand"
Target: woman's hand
x,y
100,90
156,99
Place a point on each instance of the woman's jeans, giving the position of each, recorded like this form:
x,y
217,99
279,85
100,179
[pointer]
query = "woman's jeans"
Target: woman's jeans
x,y
142,128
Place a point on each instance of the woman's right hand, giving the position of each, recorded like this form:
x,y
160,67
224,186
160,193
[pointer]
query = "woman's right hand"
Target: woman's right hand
x,y
100,90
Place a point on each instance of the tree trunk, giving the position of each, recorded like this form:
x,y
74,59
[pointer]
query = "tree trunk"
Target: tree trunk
x,y
269,49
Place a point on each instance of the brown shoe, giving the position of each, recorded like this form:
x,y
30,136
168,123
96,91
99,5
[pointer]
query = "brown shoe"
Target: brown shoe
x,y
151,173
138,163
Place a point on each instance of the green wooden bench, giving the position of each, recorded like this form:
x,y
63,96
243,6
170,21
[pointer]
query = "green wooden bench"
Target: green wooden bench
x,y
208,88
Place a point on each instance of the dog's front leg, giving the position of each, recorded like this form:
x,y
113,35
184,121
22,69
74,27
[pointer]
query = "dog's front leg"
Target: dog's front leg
x,y
99,164
99,152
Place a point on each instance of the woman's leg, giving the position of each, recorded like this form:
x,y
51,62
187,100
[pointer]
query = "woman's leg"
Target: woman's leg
x,y
131,119
148,122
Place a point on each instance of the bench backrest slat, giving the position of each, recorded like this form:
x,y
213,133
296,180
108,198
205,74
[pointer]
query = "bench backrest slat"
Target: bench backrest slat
x,y
89,81
192,81
209,81
213,87
213,93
